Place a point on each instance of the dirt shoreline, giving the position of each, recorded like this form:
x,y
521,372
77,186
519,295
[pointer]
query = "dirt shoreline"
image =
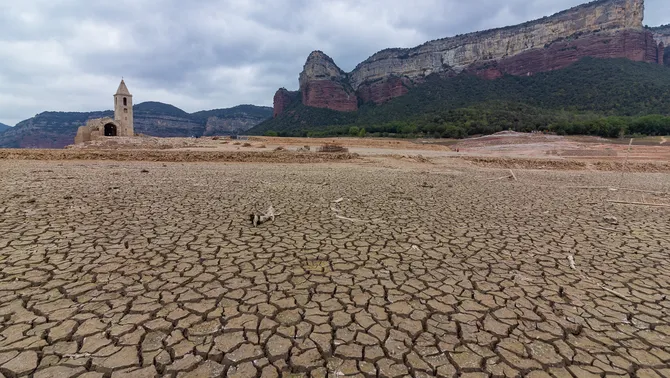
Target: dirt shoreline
x,y
175,156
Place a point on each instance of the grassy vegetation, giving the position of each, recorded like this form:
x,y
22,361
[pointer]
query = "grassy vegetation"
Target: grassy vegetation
x,y
607,97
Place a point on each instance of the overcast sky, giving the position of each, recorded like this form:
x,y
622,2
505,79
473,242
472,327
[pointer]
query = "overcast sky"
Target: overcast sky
x,y
70,55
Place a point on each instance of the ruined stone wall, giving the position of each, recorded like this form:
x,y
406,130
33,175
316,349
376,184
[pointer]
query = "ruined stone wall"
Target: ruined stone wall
x,y
83,135
94,129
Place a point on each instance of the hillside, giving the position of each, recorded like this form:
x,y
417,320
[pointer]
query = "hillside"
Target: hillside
x,y
4,127
58,129
599,29
587,90
232,120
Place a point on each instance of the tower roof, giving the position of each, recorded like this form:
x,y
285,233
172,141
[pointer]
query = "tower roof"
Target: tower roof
x,y
123,90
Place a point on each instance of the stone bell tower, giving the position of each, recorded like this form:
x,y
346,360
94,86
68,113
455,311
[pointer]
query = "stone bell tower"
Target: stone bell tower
x,y
123,110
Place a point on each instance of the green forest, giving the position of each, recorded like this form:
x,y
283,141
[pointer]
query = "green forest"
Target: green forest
x,y
605,97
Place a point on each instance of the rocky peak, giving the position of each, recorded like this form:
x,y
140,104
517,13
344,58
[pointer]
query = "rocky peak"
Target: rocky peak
x,y
320,66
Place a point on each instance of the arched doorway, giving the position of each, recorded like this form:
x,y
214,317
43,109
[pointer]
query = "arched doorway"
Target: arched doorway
x,y
110,129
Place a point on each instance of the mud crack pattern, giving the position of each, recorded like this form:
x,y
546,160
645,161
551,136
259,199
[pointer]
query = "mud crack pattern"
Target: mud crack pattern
x,y
148,269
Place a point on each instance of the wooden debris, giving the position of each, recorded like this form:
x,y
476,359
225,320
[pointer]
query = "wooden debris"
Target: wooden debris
x,y
571,260
613,292
611,229
617,189
257,219
611,219
640,203
75,356
349,219
513,175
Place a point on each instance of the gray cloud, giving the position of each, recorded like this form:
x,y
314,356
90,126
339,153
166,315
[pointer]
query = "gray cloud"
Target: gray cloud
x,y
69,55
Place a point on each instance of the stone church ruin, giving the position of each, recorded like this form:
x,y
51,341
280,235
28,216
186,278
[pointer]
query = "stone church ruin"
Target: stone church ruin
x,y
121,125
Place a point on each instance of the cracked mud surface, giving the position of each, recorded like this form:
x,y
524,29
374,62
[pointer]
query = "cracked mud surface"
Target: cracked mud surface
x,y
146,269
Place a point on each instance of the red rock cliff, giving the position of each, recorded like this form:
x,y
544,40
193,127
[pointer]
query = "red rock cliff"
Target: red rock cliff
x,y
637,45
601,29
282,99
384,90
324,85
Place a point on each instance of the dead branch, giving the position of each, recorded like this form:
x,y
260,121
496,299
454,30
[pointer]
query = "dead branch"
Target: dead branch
x,y
77,355
349,219
513,175
640,203
615,189
613,292
499,178
611,229
257,219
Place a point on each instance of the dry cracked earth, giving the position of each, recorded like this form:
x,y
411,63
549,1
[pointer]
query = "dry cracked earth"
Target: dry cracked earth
x,y
149,269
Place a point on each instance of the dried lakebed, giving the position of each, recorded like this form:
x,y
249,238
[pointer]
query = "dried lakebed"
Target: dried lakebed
x,y
120,269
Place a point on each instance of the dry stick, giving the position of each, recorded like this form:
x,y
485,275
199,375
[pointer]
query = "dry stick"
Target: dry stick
x,y
625,162
615,189
611,229
643,191
571,260
513,175
613,292
77,355
640,203
349,219
499,178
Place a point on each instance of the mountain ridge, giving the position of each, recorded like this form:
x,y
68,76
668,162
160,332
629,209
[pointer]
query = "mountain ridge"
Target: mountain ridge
x,y
57,129
601,29
591,89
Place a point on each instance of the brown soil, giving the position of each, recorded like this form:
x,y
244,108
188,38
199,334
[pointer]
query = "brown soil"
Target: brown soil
x,y
175,156
501,150
144,269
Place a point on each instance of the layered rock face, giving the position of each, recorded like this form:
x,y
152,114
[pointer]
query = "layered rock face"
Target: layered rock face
x,y
459,52
384,90
631,44
324,85
601,29
662,36
661,53
282,99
